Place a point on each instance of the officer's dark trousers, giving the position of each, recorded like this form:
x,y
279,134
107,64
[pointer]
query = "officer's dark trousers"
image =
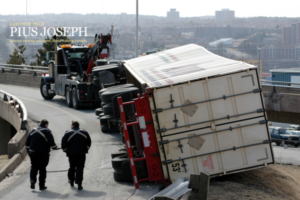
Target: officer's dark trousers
x,y
39,162
76,166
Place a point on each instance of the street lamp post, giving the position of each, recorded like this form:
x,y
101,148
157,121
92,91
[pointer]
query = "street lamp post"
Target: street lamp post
x,y
260,67
137,30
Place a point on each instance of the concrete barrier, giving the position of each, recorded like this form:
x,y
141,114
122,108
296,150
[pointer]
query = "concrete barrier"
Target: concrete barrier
x,y
282,107
14,112
13,163
25,79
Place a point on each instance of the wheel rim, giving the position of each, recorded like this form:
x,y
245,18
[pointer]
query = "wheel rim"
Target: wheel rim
x,y
74,98
45,90
68,96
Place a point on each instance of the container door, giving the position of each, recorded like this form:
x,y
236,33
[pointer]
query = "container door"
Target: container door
x,y
217,126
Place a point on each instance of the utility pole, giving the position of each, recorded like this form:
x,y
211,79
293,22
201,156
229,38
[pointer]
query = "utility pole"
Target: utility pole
x,y
26,7
137,30
260,65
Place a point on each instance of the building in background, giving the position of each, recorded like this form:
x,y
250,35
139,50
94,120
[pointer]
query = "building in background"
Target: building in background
x,y
173,15
291,35
280,51
296,33
286,35
224,15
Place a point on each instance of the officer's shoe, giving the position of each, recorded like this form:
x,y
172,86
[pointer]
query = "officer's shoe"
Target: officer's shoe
x,y
43,187
32,185
80,187
71,183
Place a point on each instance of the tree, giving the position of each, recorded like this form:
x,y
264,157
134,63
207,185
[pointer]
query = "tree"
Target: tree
x,y
17,56
49,46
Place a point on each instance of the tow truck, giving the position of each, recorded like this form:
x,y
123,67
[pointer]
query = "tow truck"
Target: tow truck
x,y
69,75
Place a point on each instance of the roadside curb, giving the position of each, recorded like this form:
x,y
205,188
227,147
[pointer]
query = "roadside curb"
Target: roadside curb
x,y
12,164
15,161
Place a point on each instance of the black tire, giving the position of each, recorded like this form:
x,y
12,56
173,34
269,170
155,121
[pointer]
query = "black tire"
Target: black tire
x,y
119,176
296,145
108,95
114,68
98,111
116,87
75,100
113,129
278,143
43,90
118,161
120,152
104,128
105,118
101,62
103,104
108,109
69,97
127,171
96,81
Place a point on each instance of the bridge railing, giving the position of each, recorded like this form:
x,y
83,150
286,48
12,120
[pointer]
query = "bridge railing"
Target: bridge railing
x,y
18,105
19,68
278,83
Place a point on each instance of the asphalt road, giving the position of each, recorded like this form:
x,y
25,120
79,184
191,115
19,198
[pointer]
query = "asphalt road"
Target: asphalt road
x,y
288,156
98,175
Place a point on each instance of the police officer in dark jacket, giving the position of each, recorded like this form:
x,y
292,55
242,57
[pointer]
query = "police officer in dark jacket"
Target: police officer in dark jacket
x,y
76,143
38,144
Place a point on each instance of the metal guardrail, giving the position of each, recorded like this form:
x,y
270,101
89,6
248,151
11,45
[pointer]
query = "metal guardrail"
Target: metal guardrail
x,y
20,68
279,82
23,66
22,109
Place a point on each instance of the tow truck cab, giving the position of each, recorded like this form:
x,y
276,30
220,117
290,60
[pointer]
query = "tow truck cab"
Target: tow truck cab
x,y
65,77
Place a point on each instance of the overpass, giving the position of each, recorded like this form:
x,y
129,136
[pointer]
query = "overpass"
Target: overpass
x,y
282,102
13,131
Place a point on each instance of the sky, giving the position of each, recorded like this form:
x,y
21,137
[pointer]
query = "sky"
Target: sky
x,y
187,8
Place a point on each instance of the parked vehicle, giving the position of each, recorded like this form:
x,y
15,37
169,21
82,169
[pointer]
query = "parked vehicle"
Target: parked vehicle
x,y
190,111
294,127
296,133
287,136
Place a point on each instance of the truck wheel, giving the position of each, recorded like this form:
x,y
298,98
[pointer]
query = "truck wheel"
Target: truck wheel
x,y
119,176
116,87
103,104
118,161
114,68
296,145
127,171
96,81
107,96
98,111
113,129
43,90
104,128
108,109
105,118
278,143
75,100
120,152
69,97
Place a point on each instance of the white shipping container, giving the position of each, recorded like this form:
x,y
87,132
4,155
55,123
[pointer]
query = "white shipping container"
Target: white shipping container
x,y
208,112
